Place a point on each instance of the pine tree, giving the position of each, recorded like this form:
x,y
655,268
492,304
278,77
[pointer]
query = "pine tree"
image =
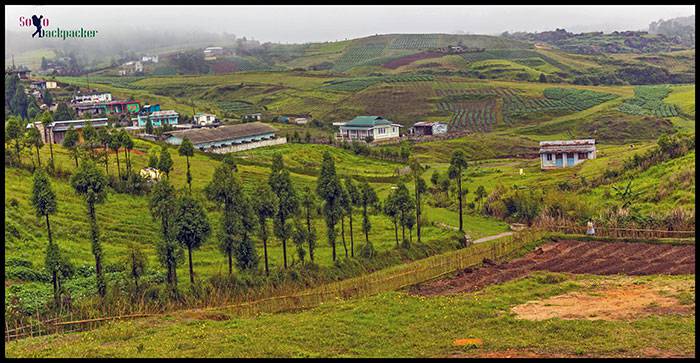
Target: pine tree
x,y
458,164
89,182
190,226
328,188
187,150
46,120
309,204
281,185
70,142
43,200
33,138
165,163
162,207
265,204
14,132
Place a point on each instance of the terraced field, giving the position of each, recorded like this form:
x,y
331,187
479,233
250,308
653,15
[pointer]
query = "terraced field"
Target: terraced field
x,y
648,100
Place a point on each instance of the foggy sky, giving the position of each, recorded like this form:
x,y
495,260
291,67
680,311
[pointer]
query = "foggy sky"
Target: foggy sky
x,y
313,23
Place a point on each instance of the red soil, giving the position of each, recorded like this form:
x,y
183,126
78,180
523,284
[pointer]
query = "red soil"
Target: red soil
x,y
396,63
598,258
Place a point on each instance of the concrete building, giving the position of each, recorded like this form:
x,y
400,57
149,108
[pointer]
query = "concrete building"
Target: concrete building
x,y
361,127
228,138
93,98
204,119
210,53
428,128
159,118
55,132
151,59
567,153
252,117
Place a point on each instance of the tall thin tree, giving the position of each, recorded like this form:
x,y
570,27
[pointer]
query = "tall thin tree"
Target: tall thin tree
x,y
328,188
190,226
43,200
187,150
458,163
91,184
281,185
265,204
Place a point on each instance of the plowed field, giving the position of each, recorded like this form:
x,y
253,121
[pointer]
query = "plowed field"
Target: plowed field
x,y
598,258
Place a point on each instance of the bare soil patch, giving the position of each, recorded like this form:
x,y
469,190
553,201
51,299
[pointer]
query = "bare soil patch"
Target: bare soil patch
x,y
589,257
620,303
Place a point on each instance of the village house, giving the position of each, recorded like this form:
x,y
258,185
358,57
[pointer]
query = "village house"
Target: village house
x,y
252,117
361,127
204,119
228,138
210,53
55,132
159,118
428,128
149,59
92,98
567,153
43,85
21,72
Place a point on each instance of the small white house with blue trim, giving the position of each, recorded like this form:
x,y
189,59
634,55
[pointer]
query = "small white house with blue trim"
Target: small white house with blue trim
x,y
159,118
566,153
361,127
228,138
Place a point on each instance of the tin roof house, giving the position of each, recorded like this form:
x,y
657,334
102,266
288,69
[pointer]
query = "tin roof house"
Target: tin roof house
x,y
566,153
228,138
362,127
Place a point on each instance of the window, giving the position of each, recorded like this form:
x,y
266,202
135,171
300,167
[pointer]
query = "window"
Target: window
x,y
381,131
582,156
549,157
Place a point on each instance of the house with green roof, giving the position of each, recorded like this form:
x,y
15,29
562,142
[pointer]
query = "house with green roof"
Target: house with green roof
x,y
362,127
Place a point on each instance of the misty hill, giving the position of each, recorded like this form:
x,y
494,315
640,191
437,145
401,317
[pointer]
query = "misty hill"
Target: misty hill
x,y
681,29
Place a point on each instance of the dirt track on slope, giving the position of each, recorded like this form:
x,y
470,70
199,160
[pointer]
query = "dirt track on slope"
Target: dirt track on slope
x,y
598,258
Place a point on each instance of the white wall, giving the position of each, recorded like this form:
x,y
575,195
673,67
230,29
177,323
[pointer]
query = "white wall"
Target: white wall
x,y
248,146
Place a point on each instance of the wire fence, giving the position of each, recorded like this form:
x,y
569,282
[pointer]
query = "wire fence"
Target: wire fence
x,y
389,279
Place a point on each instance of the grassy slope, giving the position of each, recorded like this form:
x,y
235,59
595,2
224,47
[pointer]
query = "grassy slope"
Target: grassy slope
x,y
390,325
125,218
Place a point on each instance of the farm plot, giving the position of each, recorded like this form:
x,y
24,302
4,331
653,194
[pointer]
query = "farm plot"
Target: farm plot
x,y
358,84
477,115
648,100
355,56
415,41
405,102
236,107
522,56
598,258
556,100
396,63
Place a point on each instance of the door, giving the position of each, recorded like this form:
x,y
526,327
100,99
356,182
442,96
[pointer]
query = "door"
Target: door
x,y
570,159
559,161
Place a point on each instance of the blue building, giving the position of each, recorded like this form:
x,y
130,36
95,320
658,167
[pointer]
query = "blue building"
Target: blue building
x,y
159,118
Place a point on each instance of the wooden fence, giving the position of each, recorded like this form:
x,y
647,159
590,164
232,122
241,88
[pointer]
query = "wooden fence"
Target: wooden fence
x,y
389,279
624,232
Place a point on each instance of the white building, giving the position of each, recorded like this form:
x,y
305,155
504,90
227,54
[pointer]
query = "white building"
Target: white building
x,y
211,52
204,119
361,127
93,98
152,59
567,153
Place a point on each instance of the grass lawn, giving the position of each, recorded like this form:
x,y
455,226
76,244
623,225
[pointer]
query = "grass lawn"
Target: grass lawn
x,y
392,325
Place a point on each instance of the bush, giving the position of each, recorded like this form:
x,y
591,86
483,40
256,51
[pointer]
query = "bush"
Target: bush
x,y
24,273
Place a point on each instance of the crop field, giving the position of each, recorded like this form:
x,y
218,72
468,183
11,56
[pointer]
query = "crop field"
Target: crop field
x,y
358,55
592,257
648,100
516,55
410,41
555,100
477,115
396,63
236,107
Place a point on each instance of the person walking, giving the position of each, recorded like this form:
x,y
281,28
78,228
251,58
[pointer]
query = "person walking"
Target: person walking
x,y
590,230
